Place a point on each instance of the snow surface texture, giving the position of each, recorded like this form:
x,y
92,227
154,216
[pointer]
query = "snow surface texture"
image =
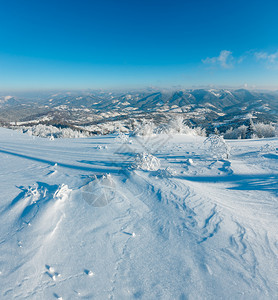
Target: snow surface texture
x,y
77,222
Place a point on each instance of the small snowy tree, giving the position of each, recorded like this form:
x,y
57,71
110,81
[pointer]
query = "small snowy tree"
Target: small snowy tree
x,y
242,131
146,128
122,138
216,131
250,132
231,134
146,161
217,146
176,125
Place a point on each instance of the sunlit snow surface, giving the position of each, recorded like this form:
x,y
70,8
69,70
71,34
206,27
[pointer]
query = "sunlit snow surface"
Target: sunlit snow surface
x,y
80,220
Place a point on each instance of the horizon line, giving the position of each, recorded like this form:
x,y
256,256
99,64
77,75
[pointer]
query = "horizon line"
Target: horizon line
x,y
150,87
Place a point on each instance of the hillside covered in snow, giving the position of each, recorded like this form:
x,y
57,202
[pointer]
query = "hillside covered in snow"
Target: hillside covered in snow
x,y
165,216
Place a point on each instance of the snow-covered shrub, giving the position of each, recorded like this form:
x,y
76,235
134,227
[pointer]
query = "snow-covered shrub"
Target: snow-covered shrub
x,y
190,162
264,130
258,130
237,133
147,162
199,131
146,128
268,148
216,131
165,173
100,147
217,146
122,138
49,131
177,126
242,131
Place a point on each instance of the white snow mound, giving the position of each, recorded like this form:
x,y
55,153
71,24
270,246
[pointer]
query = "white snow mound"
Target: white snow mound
x,y
147,162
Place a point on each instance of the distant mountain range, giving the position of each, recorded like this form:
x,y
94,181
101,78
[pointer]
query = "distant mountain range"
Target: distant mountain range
x,y
210,108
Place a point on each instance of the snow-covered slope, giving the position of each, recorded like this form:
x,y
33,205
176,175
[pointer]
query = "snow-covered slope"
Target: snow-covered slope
x,y
86,219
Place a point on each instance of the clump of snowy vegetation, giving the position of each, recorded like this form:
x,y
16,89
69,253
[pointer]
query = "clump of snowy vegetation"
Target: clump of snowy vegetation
x,y
264,130
101,147
174,126
177,126
147,162
146,128
217,147
49,131
166,173
109,127
268,148
122,138
257,130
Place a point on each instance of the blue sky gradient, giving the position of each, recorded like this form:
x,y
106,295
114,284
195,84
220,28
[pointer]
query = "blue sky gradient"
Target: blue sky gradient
x,y
132,43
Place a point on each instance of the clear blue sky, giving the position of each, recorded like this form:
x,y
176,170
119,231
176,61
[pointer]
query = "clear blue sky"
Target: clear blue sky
x,y
130,43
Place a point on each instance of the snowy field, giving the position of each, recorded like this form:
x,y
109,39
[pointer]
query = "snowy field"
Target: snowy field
x,y
89,218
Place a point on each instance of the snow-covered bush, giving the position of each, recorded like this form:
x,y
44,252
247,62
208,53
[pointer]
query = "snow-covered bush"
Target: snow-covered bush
x,y
258,130
237,133
268,148
147,162
122,138
51,132
165,173
199,131
264,130
100,147
217,147
177,126
146,128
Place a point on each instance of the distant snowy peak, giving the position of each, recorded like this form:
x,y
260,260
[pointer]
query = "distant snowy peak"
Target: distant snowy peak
x,y
7,101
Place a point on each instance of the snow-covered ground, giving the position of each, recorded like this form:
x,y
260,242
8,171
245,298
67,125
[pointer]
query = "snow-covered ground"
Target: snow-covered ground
x,y
89,218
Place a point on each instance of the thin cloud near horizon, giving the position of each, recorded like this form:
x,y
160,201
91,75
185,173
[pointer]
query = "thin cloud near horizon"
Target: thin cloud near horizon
x,y
227,60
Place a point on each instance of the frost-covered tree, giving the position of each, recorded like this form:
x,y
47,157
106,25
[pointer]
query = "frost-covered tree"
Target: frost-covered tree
x,y
258,130
250,132
217,146
122,138
146,128
177,125
242,131
49,131
216,131
236,133
264,130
